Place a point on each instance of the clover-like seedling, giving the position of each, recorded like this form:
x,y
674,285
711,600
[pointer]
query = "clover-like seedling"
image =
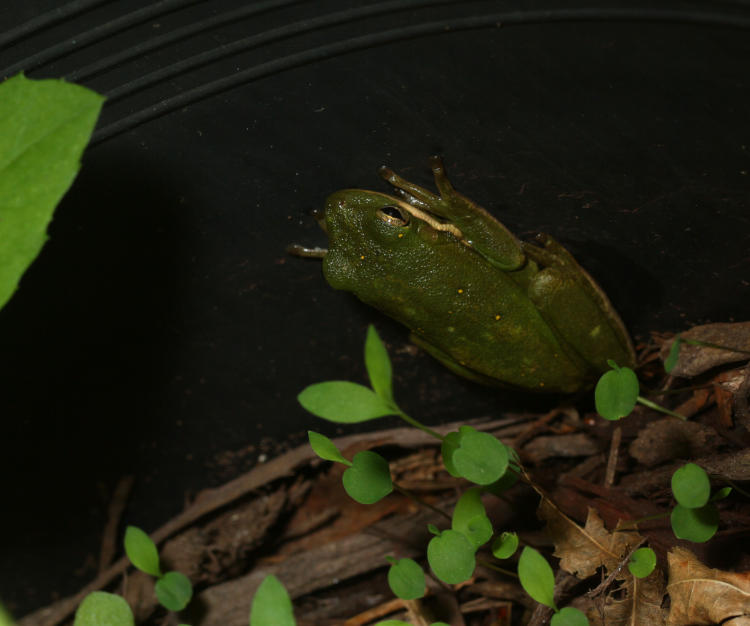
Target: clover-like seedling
x,y
406,578
474,455
616,392
451,556
173,589
470,518
367,478
505,545
642,562
695,516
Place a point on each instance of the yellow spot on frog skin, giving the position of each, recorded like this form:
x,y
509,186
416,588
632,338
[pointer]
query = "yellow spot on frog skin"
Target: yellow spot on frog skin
x,y
460,290
362,257
497,317
400,235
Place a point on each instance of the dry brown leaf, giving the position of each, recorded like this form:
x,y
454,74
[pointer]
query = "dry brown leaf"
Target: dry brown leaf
x,y
701,596
639,605
695,360
582,550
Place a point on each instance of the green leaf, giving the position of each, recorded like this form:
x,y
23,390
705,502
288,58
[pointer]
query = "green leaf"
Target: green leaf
x,y
141,551
696,525
271,605
99,608
721,494
378,365
673,356
325,448
369,478
393,622
505,545
569,616
691,486
642,562
44,128
174,591
5,619
616,393
344,402
474,455
470,518
536,577
406,579
451,557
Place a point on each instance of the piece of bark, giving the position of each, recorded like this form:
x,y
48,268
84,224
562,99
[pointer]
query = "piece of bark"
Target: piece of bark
x,y
668,439
695,360
546,447
228,604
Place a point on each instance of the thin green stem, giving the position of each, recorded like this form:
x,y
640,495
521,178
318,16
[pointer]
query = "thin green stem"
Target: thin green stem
x,y
661,409
634,523
418,500
496,568
708,344
412,422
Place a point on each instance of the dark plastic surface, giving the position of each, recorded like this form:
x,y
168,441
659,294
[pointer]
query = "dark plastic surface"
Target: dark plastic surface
x,y
164,326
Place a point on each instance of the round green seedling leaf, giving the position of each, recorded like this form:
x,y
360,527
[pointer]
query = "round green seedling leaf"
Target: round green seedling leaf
x,y
271,605
476,456
406,579
325,448
451,557
505,545
569,616
469,518
344,402
174,591
696,525
378,365
536,577
642,562
393,622
141,551
616,393
691,486
369,478
100,607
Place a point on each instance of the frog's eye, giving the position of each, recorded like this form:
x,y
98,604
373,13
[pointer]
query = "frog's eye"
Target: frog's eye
x,y
393,215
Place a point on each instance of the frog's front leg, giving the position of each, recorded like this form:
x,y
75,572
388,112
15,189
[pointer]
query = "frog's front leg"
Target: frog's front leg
x,y
479,229
576,307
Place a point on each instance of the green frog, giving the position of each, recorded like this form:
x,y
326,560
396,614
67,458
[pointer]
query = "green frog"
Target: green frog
x,y
490,307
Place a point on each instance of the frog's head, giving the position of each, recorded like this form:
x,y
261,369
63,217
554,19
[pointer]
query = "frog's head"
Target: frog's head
x,y
376,239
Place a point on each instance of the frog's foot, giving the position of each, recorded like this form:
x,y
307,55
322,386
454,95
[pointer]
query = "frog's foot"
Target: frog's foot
x,y
296,249
414,194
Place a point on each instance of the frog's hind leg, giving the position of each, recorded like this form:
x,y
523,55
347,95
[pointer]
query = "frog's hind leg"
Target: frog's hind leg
x,y
451,364
570,300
